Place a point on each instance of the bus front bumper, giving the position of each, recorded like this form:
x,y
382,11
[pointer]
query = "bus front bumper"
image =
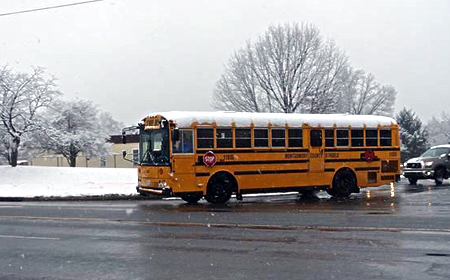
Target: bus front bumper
x,y
166,191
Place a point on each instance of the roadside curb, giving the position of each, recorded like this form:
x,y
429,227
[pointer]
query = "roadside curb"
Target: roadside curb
x,y
82,198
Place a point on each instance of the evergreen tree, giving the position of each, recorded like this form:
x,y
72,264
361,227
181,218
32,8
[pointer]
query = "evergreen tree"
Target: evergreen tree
x,y
414,138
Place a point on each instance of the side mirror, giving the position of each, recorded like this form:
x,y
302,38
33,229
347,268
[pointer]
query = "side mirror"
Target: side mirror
x,y
175,135
443,156
124,153
124,139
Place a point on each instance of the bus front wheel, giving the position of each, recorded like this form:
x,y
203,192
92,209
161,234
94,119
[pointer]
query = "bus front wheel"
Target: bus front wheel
x,y
344,183
219,190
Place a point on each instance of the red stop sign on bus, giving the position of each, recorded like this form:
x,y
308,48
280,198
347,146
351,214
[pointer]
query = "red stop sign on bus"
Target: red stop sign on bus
x,y
369,155
209,159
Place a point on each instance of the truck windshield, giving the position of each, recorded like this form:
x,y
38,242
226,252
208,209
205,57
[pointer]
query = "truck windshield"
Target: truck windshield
x,y
435,152
154,147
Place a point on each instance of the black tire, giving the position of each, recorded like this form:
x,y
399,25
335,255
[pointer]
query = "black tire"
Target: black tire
x,y
412,181
439,176
344,183
191,198
219,190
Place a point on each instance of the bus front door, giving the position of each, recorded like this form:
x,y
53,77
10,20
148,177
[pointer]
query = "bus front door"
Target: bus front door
x,y
316,153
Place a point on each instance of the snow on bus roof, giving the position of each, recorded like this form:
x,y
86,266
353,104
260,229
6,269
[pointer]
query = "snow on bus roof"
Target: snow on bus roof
x,y
244,119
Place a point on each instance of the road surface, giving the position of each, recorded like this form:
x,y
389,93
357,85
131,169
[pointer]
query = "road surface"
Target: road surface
x,y
399,232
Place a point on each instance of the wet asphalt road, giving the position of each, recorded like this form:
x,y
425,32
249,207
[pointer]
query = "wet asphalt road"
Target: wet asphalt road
x,y
400,232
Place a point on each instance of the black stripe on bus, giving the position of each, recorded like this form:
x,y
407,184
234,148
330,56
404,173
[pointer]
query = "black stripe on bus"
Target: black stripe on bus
x,y
329,170
200,163
349,160
263,172
202,174
253,151
337,149
367,169
284,189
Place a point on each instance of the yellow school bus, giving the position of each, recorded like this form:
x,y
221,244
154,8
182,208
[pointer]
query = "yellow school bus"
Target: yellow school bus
x,y
216,154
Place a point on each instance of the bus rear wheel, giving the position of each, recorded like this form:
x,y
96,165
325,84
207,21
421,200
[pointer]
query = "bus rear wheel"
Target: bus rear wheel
x,y
191,198
219,190
344,183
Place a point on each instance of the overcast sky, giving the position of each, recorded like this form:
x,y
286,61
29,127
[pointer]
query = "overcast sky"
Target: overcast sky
x,y
132,57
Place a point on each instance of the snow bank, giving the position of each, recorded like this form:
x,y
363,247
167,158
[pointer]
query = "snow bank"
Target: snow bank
x,y
31,181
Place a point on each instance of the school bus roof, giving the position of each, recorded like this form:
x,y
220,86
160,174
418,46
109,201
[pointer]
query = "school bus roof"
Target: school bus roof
x,y
243,119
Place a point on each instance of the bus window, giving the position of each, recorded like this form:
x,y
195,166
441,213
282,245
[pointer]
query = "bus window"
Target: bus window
x,y
329,138
205,138
278,138
295,137
371,137
357,138
261,137
342,138
185,143
243,138
385,137
224,138
315,138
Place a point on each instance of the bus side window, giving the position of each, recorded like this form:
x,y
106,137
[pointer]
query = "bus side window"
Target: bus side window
x,y
342,138
205,138
357,138
385,137
295,137
371,137
315,137
224,138
329,137
261,137
185,143
278,138
243,138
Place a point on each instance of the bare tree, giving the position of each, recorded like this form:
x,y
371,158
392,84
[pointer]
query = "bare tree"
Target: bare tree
x,y
290,68
439,129
22,98
75,127
363,95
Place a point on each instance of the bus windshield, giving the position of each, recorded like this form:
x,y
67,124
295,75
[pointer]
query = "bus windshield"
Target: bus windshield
x,y
154,147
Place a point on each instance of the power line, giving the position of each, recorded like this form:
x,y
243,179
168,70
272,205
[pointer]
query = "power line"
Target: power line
x,y
50,7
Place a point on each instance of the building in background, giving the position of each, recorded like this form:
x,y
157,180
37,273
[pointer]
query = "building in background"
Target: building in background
x,y
113,159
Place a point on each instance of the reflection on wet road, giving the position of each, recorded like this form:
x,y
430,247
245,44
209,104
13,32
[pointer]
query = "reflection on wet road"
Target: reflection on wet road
x,y
391,232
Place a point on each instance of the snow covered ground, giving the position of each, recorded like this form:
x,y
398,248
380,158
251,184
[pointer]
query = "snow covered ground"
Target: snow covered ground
x,y
32,181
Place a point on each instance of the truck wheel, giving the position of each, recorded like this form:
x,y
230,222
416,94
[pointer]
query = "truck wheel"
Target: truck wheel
x,y
439,176
412,181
